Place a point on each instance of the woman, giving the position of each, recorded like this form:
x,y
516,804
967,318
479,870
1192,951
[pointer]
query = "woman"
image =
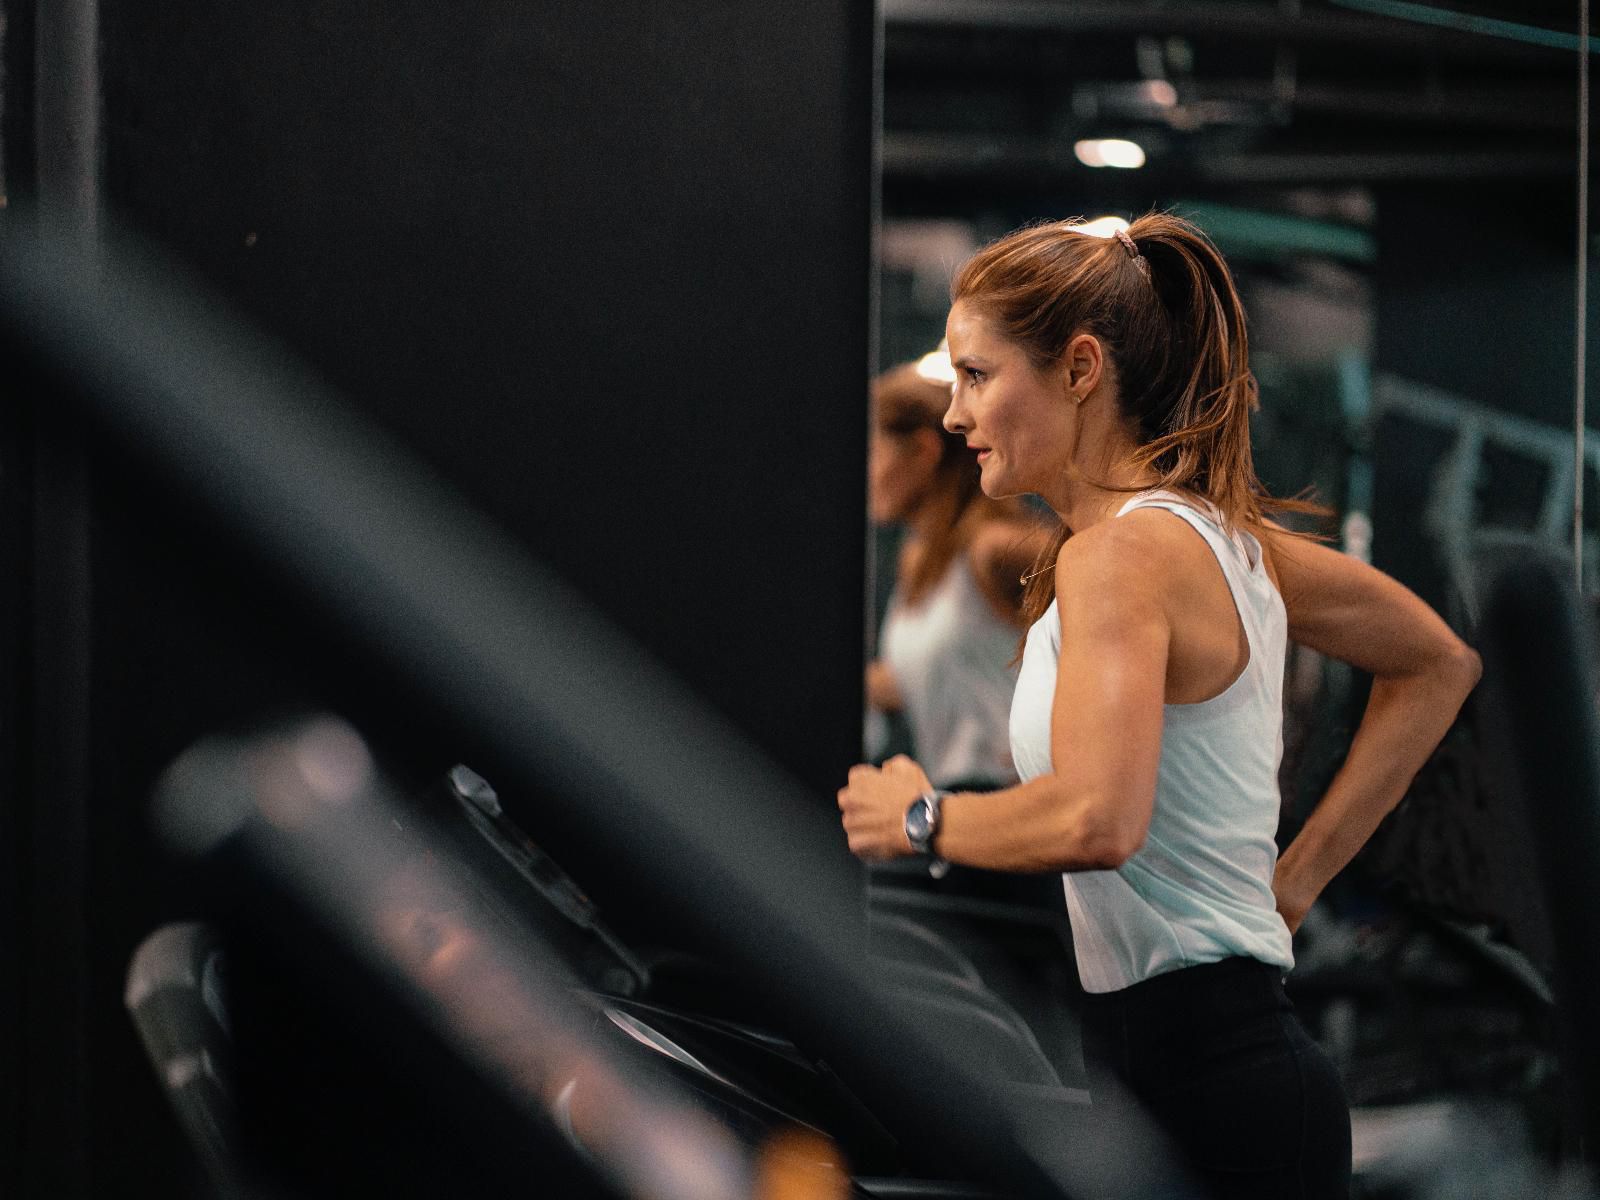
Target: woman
x,y
950,632
1111,377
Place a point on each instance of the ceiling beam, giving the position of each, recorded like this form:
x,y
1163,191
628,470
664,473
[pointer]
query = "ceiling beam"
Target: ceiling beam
x,y
1552,109
952,157
1195,18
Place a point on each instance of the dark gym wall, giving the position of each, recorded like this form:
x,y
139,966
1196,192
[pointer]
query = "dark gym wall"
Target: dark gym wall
x,y
1474,294
1474,291
605,266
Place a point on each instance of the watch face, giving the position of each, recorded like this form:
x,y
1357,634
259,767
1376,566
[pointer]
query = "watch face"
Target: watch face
x,y
918,824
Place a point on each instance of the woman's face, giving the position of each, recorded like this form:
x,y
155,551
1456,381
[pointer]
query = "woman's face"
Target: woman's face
x,y
1018,419
901,469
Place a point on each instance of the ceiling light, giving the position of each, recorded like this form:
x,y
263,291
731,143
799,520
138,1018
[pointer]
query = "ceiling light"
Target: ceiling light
x,y
935,365
1109,152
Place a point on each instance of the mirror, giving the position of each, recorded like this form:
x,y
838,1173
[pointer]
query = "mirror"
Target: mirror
x,y
1394,185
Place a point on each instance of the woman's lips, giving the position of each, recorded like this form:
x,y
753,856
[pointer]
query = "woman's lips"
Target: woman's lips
x,y
983,454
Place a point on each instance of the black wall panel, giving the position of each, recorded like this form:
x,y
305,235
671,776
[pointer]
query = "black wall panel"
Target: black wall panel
x,y
606,267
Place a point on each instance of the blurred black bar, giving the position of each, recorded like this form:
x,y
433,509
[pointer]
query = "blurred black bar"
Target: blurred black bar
x,y
66,113
303,822
14,703
46,1067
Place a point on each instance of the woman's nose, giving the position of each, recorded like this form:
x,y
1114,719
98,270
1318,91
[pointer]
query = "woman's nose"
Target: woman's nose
x,y
955,418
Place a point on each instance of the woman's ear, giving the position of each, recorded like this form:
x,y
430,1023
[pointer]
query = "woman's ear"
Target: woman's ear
x,y
1084,363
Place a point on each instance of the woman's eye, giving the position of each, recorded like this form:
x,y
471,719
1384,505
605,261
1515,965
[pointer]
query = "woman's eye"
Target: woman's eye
x,y
974,375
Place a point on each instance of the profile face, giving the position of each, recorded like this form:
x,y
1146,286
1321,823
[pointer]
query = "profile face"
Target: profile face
x,y
1015,416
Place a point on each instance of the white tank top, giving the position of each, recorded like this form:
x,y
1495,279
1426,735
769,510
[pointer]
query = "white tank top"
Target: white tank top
x,y
950,654
1200,888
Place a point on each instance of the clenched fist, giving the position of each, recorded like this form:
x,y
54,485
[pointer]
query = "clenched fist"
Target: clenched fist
x,y
874,803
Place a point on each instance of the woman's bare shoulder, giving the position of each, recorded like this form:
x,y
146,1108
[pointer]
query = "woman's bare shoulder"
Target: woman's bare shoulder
x,y
1132,544
1142,532
1150,550
1114,579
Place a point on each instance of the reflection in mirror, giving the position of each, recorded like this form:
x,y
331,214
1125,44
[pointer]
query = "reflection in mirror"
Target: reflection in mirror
x,y
953,617
1394,187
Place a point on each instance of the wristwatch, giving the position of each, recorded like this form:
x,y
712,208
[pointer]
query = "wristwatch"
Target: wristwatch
x,y
922,826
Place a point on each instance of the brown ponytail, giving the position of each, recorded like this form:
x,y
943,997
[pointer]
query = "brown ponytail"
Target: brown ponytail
x,y
1171,321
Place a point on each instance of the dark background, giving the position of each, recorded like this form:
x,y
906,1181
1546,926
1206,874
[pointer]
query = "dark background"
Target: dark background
x,y
606,268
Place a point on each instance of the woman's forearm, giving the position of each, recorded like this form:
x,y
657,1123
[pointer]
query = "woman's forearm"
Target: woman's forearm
x,y
1405,719
1035,826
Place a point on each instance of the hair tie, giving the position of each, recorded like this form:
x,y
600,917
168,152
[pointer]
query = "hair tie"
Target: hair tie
x,y
1127,243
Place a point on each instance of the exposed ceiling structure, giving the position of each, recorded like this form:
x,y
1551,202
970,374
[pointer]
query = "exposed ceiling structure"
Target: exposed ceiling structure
x,y
1222,95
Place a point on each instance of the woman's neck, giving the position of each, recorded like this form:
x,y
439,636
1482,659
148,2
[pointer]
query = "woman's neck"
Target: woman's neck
x,y
1102,469
1082,502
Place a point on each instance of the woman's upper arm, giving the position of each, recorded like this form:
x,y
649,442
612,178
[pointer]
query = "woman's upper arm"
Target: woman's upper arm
x,y
1111,681
1341,607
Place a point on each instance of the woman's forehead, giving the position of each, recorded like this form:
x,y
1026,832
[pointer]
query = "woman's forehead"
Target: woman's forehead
x,y
962,321
970,333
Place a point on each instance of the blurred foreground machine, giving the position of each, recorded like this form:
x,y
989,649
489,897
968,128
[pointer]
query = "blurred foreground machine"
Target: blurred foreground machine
x,y
348,1072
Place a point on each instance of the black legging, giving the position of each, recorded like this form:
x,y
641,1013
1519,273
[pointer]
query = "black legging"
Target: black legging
x,y
1216,1056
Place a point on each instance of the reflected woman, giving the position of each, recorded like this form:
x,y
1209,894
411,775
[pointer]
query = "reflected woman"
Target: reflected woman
x,y
949,636
1111,377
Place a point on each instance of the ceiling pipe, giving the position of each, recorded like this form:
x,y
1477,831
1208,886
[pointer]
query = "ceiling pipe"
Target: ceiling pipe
x,y
978,157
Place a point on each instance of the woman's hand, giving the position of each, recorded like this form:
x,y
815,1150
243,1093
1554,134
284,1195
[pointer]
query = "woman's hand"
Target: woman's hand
x,y
1291,907
874,803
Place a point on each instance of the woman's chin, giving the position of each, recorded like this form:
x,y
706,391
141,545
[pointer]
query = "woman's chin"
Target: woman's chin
x,y
994,485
